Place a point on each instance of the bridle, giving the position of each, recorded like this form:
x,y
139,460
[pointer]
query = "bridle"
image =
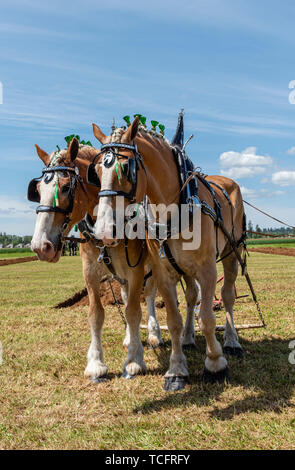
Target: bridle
x,y
131,173
47,176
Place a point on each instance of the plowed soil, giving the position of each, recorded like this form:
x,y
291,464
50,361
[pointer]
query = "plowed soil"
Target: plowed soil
x,y
106,296
274,250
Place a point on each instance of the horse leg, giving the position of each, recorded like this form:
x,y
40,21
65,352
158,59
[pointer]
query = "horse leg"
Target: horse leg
x,y
176,378
231,343
215,364
95,370
191,297
124,295
154,331
134,363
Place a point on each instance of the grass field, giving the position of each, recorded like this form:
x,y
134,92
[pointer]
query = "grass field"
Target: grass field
x,y
273,242
46,403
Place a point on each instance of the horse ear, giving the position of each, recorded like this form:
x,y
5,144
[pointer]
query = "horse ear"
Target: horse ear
x,y
131,132
73,149
99,134
43,155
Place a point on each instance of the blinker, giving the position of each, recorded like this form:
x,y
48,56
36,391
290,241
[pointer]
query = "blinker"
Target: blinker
x,y
108,159
48,177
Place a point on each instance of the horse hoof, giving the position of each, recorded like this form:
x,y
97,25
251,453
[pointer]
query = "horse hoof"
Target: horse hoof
x,y
127,376
215,377
157,346
99,380
189,347
233,351
173,384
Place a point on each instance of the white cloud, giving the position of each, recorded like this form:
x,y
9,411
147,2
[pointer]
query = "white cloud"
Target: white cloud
x,y
247,192
244,164
237,172
259,193
291,151
15,208
284,178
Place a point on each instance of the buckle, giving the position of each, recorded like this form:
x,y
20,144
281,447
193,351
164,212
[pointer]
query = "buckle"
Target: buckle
x,y
162,250
101,254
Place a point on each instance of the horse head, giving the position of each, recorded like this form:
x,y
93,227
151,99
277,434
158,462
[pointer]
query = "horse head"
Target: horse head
x,y
120,176
60,193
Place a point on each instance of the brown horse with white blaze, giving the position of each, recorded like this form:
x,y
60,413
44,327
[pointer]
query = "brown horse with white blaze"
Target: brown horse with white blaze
x,y
158,176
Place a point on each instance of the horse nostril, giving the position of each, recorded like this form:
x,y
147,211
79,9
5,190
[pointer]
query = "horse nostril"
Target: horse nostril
x,y
46,247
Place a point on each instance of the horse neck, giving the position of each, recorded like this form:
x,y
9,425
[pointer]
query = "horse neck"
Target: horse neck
x,y
162,174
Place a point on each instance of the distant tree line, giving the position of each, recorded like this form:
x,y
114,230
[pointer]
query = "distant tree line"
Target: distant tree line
x,y
283,231
6,239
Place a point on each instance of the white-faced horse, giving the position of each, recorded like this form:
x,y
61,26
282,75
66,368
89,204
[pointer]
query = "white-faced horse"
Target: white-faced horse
x,y
222,207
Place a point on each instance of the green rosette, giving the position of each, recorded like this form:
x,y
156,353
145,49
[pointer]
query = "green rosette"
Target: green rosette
x,y
154,125
69,138
162,129
83,142
127,120
143,120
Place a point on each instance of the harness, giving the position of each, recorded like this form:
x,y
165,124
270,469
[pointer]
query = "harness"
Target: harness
x,y
85,226
190,180
130,170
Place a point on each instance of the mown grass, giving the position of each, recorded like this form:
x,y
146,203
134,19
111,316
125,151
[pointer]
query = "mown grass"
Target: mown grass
x,y
16,254
46,403
275,242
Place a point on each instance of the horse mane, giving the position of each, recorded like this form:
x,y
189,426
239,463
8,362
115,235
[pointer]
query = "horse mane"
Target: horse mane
x,y
150,136
154,138
86,152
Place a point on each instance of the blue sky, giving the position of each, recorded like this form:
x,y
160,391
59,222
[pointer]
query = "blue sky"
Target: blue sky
x,y
64,65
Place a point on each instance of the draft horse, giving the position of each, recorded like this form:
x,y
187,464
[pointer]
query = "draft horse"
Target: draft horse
x,y
157,176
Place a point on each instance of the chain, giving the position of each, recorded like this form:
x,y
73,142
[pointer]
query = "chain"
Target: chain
x,y
117,304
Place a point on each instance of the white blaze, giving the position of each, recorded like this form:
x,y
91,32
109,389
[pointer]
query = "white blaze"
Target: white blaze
x,y
44,221
104,225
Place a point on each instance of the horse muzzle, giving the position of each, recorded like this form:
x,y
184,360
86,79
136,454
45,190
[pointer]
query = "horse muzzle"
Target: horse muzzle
x,y
45,251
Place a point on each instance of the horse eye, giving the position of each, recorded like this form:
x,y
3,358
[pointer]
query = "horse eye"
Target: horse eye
x,y
124,167
65,189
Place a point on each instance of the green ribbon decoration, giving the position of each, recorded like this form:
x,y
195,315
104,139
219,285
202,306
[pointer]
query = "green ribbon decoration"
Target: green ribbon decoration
x,y
55,195
76,228
162,129
117,171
